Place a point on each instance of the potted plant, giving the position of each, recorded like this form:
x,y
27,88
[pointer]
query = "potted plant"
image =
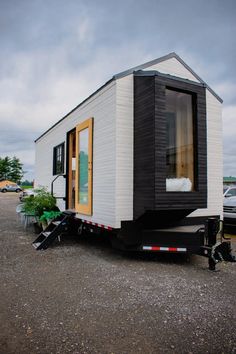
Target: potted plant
x,y
36,205
48,217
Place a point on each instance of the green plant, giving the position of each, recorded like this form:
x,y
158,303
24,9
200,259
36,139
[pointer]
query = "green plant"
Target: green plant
x,y
39,203
49,215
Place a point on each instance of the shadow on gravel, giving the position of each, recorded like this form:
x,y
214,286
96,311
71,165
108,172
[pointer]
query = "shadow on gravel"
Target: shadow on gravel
x,y
101,245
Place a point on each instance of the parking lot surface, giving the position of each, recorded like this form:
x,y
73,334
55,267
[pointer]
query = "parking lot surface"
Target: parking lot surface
x,y
81,296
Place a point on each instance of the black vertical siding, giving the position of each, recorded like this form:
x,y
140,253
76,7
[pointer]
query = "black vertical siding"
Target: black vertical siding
x,y
150,145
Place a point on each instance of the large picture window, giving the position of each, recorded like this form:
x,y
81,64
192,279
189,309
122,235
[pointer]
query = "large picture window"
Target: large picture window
x,y
180,142
58,159
84,142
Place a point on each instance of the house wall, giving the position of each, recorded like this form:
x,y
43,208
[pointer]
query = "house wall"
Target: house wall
x,y
214,140
173,67
102,107
112,109
44,162
124,149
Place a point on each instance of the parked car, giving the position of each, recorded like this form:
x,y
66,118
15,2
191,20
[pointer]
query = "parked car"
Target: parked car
x,y
26,193
11,188
229,191
230,214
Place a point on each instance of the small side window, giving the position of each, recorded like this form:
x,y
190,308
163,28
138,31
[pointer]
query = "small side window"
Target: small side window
x,y
58,159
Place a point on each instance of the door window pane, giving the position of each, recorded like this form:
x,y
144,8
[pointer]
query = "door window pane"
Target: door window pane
x,y
83,166
180,142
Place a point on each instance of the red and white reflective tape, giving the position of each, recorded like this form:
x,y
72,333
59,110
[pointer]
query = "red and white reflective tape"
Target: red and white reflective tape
x,y
166,249
98,225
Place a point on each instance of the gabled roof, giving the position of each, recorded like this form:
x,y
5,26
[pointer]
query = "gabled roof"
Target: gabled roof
x,y
131,71
161,59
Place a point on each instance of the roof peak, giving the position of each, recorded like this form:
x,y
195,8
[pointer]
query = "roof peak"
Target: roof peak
x,y
161,59
131,71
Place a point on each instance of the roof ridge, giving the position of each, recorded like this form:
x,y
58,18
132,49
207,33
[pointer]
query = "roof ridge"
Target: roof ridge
x,y
161,59
131,71
145,65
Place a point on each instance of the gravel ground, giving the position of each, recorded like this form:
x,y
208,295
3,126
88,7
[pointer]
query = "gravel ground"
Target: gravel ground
x,y
80,296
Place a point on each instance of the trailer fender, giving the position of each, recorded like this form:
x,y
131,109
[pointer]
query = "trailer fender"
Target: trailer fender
x,y
130,233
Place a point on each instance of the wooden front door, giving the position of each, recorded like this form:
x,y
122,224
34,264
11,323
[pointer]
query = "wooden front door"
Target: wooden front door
x,y
84,167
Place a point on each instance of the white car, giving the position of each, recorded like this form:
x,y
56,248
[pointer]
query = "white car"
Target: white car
x,y
229,191
230,211
26,193
11,188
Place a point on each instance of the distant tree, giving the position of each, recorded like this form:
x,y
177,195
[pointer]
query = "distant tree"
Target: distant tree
x,y
16,171
11,169
27,183
4,167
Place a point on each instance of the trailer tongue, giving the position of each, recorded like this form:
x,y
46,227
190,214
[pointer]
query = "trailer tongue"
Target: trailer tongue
x,y
206,239
193,239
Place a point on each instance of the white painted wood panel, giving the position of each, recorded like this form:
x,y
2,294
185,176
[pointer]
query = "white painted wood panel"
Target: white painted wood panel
x,y
102,107
112,109
173,67
124,148
124,135
124,189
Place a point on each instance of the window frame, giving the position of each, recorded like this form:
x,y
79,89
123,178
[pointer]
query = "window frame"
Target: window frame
x,y
194,122
60,171
85,208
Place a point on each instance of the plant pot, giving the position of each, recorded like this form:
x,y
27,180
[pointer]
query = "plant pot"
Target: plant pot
x,y
37,228
44,225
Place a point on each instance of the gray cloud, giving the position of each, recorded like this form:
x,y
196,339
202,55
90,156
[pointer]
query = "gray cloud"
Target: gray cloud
x,y
55,53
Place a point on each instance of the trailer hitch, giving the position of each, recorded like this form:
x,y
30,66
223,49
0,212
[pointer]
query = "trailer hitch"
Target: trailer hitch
x,y
216,251
221,252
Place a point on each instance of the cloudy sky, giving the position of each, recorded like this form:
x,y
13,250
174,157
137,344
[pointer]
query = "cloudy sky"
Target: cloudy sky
x,y
54,53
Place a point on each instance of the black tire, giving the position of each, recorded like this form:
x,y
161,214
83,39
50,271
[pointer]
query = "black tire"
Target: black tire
x,y
4,190
18,190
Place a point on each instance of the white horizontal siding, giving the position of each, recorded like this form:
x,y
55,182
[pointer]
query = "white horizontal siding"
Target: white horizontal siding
x,y
44,165
124,187
124,135
124,148
112,109
173,67
102,107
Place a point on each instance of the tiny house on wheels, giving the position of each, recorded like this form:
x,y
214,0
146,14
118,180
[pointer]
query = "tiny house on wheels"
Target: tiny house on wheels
x,y
142,158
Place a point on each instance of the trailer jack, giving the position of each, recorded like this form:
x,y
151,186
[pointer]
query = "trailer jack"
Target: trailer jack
x,y
219,252
216,251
